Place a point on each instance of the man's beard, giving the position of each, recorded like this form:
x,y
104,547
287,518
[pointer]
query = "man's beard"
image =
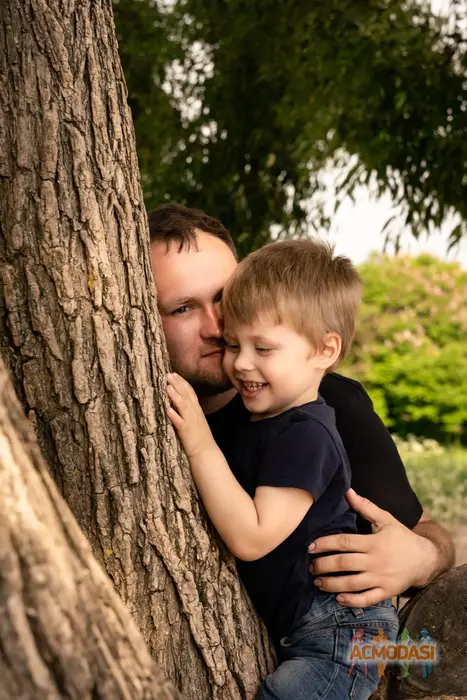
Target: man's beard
x,y
204,382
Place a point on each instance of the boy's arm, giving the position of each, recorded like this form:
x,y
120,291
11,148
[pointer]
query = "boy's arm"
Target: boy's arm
x,y
250,527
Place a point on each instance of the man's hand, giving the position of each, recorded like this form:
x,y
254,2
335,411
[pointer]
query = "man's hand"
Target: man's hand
x,y
389,561
187,417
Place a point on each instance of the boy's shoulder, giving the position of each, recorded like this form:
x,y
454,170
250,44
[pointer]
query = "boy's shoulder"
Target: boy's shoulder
x,y
302,437
316,413
311,422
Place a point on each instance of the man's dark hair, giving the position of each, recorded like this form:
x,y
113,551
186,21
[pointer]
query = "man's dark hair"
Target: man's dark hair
x,y
177,223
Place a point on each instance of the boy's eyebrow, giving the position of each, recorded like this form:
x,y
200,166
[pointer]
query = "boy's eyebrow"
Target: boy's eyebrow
x,y
255,338
262,339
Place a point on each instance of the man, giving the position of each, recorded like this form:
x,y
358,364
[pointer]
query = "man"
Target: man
x,y
193,256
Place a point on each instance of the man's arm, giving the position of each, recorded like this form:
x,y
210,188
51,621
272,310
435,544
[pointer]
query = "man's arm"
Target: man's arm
x,y
378,472
444,553
388,562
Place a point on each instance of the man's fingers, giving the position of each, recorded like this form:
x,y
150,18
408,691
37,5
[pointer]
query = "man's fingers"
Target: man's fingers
x,y
339,562
362,600
343,584
341,543
368,510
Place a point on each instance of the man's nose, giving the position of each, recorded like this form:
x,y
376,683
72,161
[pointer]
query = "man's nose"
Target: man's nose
x,y
212,323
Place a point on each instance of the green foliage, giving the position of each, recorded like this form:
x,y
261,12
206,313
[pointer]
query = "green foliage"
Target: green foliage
x,y
278,89
439,478
411,345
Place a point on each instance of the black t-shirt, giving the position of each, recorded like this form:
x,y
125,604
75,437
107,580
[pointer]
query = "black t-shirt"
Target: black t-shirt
x,y
299,448
376,467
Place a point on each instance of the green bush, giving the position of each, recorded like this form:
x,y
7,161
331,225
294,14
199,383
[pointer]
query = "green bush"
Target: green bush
x,y
439,478
410,349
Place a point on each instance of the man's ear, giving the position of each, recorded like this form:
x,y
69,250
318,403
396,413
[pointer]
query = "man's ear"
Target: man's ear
x,y
329,352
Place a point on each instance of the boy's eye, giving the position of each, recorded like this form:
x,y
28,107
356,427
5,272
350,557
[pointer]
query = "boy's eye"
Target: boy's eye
x,y
263,350
231,346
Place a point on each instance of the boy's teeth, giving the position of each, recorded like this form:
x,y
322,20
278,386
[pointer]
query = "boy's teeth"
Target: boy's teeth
x,y
252,386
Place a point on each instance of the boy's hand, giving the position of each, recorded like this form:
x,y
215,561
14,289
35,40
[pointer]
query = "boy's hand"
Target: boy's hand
x,y
187,417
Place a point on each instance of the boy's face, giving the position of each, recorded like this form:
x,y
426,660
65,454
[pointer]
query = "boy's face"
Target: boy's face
x,y
272,366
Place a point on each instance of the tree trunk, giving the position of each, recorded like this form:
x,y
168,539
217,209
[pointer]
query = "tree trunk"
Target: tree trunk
x,y
82,338
441,608
65,632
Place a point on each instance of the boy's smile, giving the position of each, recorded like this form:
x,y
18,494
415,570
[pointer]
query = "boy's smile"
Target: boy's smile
x,y
271,365
251,390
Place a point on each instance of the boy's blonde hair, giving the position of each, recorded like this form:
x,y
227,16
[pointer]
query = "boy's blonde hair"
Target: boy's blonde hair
x,y
300,283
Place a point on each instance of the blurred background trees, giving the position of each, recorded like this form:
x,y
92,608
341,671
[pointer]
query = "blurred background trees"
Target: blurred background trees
x,y
410,348
242,108
239,107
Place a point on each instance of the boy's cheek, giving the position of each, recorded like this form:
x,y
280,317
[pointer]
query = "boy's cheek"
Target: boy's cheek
x,y
227,366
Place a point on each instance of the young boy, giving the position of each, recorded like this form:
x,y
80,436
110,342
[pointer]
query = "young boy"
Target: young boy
x,y
289,314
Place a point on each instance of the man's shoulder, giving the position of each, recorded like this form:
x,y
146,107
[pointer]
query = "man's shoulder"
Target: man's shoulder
x,y
339,391
225,422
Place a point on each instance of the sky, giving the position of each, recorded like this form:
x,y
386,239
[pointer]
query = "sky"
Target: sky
x,y
356,231
356,228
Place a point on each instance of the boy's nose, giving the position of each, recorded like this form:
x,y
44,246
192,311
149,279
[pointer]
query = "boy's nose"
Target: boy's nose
x,y
242,363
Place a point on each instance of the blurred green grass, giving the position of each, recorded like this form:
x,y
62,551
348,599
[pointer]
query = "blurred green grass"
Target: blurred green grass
x,y
439,477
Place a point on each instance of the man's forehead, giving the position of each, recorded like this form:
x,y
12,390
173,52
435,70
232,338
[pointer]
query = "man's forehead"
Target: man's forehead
x,y
190,273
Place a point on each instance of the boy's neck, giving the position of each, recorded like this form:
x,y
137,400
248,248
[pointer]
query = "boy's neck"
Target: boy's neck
x,y
307,397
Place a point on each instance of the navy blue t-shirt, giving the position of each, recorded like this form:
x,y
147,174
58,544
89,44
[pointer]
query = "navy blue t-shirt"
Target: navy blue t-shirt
x,y
299,448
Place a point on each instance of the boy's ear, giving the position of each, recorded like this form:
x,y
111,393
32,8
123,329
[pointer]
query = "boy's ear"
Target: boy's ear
x,y
329,352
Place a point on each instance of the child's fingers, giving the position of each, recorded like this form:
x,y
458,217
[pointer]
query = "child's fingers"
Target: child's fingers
x,y
180,384
174,395
174,417
178,401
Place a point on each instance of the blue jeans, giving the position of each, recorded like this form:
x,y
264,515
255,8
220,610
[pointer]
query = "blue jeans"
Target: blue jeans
x,y
315,659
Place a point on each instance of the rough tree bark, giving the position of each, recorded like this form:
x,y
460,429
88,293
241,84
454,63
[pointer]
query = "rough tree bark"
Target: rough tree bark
x,y
442,609
80,334
65,633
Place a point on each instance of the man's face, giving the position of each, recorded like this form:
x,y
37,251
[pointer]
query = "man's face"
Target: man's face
x,y
189,288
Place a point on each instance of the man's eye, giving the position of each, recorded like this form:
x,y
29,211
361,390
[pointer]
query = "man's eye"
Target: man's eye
x,y
181,310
